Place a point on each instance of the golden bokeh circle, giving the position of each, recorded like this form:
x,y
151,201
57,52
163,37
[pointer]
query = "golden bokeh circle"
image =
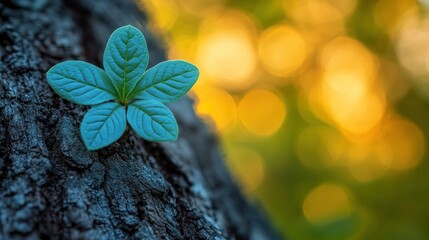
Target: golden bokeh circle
x,y
261,112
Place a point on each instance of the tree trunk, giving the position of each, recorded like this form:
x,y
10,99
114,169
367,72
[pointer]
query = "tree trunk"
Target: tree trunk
x,y
51,187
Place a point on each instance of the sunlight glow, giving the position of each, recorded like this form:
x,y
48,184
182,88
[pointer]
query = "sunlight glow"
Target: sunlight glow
x,y
406,143
319,12
325,204
364,161
306,91
388,14
163,11
218,105
413,45
261,112
227,51
352,106
323,19
248,166
282,50
347,89
200,8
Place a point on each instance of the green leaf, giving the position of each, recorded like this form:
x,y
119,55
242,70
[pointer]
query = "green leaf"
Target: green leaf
x,y
125,58
81,83
166,81
152,121
103,125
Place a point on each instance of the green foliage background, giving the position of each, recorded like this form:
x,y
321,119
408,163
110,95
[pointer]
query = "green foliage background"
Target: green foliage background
x,y
347,159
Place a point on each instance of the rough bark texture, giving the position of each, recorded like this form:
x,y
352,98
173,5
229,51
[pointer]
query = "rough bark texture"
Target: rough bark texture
x,y
52,188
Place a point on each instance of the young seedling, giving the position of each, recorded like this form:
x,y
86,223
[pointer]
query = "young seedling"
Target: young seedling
x,y
124,91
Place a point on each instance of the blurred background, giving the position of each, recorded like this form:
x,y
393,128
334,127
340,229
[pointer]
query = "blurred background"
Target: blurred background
x,y
322,107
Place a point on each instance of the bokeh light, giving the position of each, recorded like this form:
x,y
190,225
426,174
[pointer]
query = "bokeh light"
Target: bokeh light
x,y
406,144
389,13
365,162
347,89
322,19
248,166
261,112
322,107
210,98
200,8
325,204
163,11
413,45
227,52
282,50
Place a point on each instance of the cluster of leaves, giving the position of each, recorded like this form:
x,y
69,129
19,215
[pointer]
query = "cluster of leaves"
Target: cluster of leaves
x,y
124,91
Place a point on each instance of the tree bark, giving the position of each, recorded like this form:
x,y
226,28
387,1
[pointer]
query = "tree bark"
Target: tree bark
x,y
53,188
